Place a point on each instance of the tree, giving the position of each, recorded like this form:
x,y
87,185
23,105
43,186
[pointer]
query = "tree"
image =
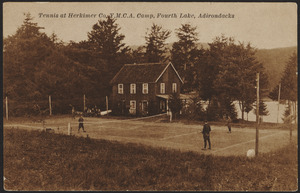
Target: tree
x,y
209,67
155,43
238,75
229,74
248,108
289,80
184,54
22,56
36,65
287,116
263,111
91,67
274,93
106,40
175,104
214,76
195,109
138,55
289,84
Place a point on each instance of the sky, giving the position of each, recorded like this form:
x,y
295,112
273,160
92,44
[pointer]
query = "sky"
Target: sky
x,y
264,25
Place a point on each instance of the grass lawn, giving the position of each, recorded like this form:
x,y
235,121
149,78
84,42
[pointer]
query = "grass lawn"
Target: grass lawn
x,y
39,160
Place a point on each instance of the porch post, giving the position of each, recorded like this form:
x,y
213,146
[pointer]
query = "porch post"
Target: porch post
x,y
167,105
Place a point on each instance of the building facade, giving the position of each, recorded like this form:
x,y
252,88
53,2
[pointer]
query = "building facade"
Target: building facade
x,y
144,89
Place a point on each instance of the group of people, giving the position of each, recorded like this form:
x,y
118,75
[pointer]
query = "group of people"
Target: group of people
x,y
206,132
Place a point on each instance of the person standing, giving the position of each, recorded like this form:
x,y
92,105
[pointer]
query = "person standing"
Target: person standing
x,y
80,120
229,124
206,134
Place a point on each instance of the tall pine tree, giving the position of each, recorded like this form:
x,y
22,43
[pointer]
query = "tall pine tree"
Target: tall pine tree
x,y
184,54
155,43
289,79
289,85
106,39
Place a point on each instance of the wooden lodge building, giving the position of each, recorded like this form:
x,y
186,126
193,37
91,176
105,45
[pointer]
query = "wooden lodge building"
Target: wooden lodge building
x,y
144,89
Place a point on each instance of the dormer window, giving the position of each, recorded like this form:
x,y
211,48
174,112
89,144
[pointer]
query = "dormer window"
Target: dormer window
x,y
162,88
120,89
174,88
145,88
132,88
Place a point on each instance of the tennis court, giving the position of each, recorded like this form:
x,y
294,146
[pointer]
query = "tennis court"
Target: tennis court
x,y
159,132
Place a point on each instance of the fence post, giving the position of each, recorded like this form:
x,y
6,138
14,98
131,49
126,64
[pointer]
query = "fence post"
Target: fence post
x,y
106,105
278,101
6,107
50,106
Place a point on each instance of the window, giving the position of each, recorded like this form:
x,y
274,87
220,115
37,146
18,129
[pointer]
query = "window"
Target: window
x,y
132,109
120,88
145,88
162,88
132,104
174,87
132,88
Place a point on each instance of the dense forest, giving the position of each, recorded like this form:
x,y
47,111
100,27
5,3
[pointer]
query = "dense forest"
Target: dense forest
x,y
36,66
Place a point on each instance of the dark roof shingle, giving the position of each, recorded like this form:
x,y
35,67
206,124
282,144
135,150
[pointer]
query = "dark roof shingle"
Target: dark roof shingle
x,y
134,73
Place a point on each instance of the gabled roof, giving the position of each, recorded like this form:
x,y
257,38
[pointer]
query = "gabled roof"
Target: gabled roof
x,y
170,64
145,72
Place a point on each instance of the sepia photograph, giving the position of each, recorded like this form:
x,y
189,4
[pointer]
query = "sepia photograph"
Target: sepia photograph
x,y
150,96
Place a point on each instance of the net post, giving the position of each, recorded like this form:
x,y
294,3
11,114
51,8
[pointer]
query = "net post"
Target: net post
x,y
69,128
257,114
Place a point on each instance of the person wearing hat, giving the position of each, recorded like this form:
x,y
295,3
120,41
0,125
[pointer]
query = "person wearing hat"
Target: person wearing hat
x,y
80,120
206,134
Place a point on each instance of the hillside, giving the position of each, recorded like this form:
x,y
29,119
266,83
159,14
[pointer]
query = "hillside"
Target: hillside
x,y
274,60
